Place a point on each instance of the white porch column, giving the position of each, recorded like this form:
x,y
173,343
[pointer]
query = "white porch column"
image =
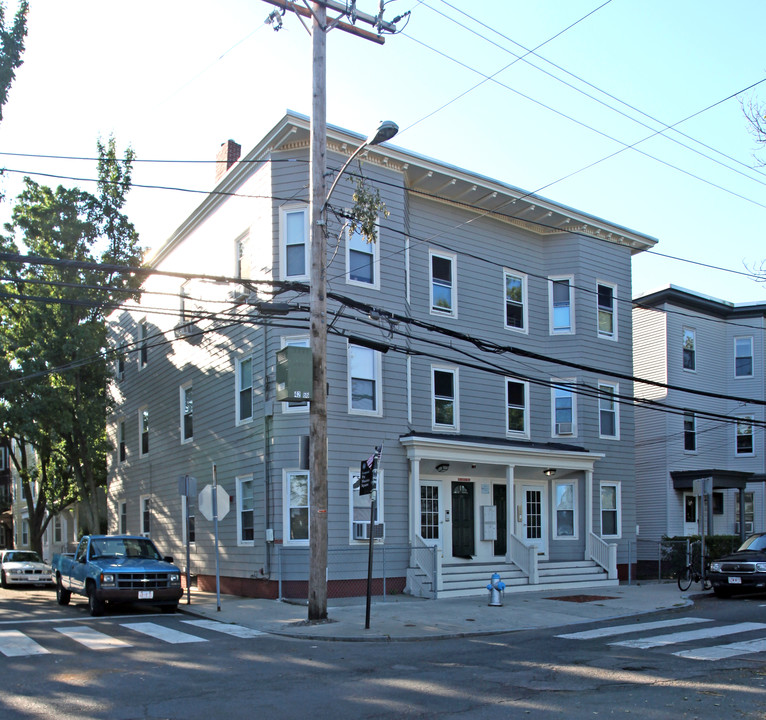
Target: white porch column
x,y
511,518
588,511
414,499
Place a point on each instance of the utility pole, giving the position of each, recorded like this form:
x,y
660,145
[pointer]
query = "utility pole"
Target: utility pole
x,y
317,600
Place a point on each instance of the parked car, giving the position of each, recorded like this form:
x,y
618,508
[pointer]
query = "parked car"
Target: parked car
x,y
743,571
24,567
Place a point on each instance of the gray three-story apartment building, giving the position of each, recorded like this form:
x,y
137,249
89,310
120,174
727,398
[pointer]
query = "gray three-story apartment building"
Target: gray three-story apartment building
x,y
484,341
688,341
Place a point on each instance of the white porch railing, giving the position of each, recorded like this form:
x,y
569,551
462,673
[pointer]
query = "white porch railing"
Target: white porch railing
x,y
428,559
525,558
603,553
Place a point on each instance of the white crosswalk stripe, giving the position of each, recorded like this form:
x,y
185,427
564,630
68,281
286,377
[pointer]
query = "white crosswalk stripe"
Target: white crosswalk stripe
x,y
634,628
236,630
721,652
166,634
689,635
91,638
16,644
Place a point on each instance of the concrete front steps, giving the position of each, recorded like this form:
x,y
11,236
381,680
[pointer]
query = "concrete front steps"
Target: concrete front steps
x,y
469,579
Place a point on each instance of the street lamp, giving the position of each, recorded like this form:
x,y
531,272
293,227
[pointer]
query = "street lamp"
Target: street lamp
x,y
317,595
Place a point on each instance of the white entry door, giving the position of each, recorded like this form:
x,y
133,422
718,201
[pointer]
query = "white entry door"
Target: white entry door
x,y
534,518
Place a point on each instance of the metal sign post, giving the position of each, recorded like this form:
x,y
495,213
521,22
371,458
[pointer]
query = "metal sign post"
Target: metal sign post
x,y
215,530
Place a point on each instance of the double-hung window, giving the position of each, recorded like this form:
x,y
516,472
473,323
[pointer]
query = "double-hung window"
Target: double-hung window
x,y
610,509
743,357
187,414
361,507
443,287
297,507
243,257
690,350
123,522
608,411
294,243
143,344
564,410
361,259
515,301
444,397
516,403
245,510
744,442
690,432
364,369
123,443
565,518
607,310
146,515
143,431
244,370
58,529
561,305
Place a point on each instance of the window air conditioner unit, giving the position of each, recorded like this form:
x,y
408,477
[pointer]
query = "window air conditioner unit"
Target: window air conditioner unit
x,y
564,428
748,528
362,530
186,330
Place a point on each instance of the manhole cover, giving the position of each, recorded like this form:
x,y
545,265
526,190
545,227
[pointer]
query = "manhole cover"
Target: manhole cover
x,y
581,598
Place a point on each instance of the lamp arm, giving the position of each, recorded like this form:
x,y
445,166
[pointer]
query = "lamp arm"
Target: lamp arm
x,y
343,170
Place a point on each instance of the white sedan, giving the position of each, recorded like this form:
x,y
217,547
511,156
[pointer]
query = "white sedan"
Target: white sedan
x,y
24,567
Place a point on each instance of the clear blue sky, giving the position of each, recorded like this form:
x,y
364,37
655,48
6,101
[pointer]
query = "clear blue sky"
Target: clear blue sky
x,y
176,78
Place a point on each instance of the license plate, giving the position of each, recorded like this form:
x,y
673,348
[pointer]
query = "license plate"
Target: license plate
x,y
149,594
735,581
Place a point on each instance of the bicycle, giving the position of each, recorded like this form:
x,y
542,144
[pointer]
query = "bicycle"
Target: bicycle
x,y
686,576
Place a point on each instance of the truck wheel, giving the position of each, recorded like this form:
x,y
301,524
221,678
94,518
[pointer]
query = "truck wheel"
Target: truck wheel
x,y
62,594
95,606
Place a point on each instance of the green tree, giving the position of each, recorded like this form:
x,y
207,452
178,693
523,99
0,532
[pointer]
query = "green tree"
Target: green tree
x,y
11,48
53,335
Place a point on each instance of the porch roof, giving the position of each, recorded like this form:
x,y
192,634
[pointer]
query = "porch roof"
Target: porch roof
x,y
497,451
722,479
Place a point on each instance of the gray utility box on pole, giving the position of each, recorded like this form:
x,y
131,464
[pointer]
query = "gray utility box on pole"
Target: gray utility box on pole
x,y
294,374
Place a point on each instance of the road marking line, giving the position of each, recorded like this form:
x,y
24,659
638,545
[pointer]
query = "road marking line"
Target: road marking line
x,y
91,638
721,652
625,629
236,630
689,635
160,632
16,644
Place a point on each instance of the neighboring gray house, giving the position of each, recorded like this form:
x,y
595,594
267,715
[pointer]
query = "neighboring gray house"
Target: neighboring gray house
x,y
446,345
685,339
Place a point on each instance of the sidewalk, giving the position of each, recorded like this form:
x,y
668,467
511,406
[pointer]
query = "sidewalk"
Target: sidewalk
x,y
401,618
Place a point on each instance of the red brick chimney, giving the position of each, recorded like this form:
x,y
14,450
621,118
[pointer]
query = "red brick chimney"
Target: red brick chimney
x,y
227,156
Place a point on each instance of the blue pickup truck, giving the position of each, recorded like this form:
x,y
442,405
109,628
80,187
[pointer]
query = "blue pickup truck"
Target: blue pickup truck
x,y
117,569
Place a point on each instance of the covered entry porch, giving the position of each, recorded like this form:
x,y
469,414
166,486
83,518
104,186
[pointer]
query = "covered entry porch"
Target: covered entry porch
x,y
525,510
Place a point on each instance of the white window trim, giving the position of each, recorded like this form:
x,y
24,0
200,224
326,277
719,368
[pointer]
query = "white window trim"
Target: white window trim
x,y
515,433
551,280
453,287
237,389
122,427
565,384
575,511
455,427
286,540
283,211
750,419
239,481
752,357
374,251
696,434
524,305
613,335
353,476
143,340
618,500
120,529
141,452
141,500
238,242
378,368
437,541
182,399
192,543
615,390
684,330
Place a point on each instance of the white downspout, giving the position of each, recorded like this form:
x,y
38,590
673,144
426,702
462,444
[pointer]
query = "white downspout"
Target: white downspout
x,y
588,511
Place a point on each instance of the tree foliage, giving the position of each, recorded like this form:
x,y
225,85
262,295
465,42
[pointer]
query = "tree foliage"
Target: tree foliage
x,y
11,48
755,112
53,337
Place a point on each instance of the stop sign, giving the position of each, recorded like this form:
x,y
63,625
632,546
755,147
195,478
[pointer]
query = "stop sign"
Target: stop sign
x,y
206,502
